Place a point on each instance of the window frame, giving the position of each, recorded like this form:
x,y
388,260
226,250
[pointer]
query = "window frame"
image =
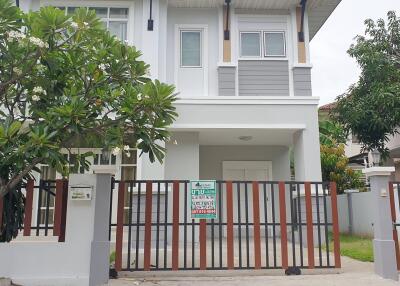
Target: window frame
x,y
265,46
240,44
181,31
263,55
96,4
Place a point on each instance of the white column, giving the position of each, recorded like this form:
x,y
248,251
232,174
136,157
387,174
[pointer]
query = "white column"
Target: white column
x,y
385,264
87,225
150,47
307,160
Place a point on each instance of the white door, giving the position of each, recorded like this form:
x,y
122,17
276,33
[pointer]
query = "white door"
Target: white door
x,y
247,170
191,60
243,199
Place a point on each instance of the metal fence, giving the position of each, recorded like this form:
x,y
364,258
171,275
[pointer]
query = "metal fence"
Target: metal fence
x,y
259,225
395,209
45,208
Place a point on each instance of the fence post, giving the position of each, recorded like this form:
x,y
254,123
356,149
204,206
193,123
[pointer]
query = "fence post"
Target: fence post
x,y
147,228
1,213
384,248
63,211
120,226
335,227
87,227
28,208
175,227
282,213
229,231
57,207
393,215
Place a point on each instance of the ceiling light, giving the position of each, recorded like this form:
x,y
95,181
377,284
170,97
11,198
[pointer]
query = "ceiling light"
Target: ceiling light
x,y
245,138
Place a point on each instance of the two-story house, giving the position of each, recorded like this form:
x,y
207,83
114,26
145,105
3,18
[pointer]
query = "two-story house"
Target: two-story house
x,y
243,72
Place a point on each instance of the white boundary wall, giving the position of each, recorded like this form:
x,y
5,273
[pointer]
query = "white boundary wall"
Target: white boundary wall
x,y
357,210
83,259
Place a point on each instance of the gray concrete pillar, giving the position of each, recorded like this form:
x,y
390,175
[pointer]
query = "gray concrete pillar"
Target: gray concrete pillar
x,y
384,247
93,215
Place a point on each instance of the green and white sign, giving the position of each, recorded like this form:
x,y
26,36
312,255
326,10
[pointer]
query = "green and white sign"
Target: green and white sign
x,y
203,199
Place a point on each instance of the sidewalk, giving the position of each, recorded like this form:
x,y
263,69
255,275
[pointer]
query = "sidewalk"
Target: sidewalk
x,y
354,273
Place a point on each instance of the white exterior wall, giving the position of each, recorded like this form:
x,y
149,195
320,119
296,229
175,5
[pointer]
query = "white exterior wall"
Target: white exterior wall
x,y
70,263
185,79
296,116
211,158
182,158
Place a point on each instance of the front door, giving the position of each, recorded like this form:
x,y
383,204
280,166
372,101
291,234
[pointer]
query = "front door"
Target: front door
x,y
243,196
247,170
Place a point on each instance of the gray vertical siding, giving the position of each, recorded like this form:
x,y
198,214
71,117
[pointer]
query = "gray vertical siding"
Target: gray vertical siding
x,y
302,81
263,78
226,81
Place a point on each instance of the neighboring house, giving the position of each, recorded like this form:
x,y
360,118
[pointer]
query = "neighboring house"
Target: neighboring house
x,y
353,151
353,147
243,73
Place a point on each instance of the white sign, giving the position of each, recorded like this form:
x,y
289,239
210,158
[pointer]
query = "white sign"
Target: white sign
x,y
80,192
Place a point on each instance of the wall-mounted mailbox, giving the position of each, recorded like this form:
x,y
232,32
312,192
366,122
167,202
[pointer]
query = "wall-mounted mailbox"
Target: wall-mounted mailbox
x,y
80,192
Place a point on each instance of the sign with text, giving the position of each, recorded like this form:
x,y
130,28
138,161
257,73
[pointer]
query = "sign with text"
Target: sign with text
x,y
203,199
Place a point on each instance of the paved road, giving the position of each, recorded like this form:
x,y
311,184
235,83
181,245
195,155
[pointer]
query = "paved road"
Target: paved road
x,y
354,273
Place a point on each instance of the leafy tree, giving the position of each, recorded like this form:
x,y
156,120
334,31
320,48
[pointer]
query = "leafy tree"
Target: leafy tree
x,y
66,82
334,163
371,107
331,133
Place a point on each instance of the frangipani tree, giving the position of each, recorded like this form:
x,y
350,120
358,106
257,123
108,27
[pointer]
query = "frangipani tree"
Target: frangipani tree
x,y
66,82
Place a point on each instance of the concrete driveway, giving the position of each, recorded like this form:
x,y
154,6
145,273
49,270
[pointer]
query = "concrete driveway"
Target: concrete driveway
x,y
353,273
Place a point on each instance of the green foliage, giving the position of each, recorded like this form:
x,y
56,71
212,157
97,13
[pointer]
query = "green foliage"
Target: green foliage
x,y
331,133
334,163
371,107
66,82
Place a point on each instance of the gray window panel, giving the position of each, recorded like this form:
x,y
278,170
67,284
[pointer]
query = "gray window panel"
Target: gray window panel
x,y
120,13
191,48
71,10
101,12
118,29
250,44
274,44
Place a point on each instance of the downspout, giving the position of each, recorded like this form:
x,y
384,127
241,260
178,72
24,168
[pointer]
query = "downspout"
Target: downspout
x,y
226,30
150,22
303,4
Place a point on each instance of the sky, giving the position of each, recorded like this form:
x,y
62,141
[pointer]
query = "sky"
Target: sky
x,y
333,69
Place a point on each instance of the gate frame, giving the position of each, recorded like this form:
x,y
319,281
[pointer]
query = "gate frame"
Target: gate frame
x,y
202,224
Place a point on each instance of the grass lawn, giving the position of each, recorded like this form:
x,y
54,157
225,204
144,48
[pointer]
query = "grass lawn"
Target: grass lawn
x,y
356,247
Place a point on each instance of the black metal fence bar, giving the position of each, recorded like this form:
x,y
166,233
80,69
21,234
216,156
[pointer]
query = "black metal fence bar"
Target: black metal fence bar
x,y
161,226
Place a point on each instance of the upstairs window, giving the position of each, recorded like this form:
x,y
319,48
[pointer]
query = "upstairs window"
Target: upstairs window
x,y
250,44
115,20
274,44
262,44
191,42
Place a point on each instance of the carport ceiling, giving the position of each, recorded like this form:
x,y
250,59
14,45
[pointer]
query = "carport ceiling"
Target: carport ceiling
x,y
255,137
318,10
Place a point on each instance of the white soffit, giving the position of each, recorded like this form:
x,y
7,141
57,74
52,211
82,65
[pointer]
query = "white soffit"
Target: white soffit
x,y
318,10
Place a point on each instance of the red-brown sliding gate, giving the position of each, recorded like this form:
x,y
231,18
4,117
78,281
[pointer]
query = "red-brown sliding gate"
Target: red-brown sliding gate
x,y
394,195
259,225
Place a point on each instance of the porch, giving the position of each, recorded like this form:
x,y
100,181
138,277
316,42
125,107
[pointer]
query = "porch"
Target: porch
x,y
211,132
